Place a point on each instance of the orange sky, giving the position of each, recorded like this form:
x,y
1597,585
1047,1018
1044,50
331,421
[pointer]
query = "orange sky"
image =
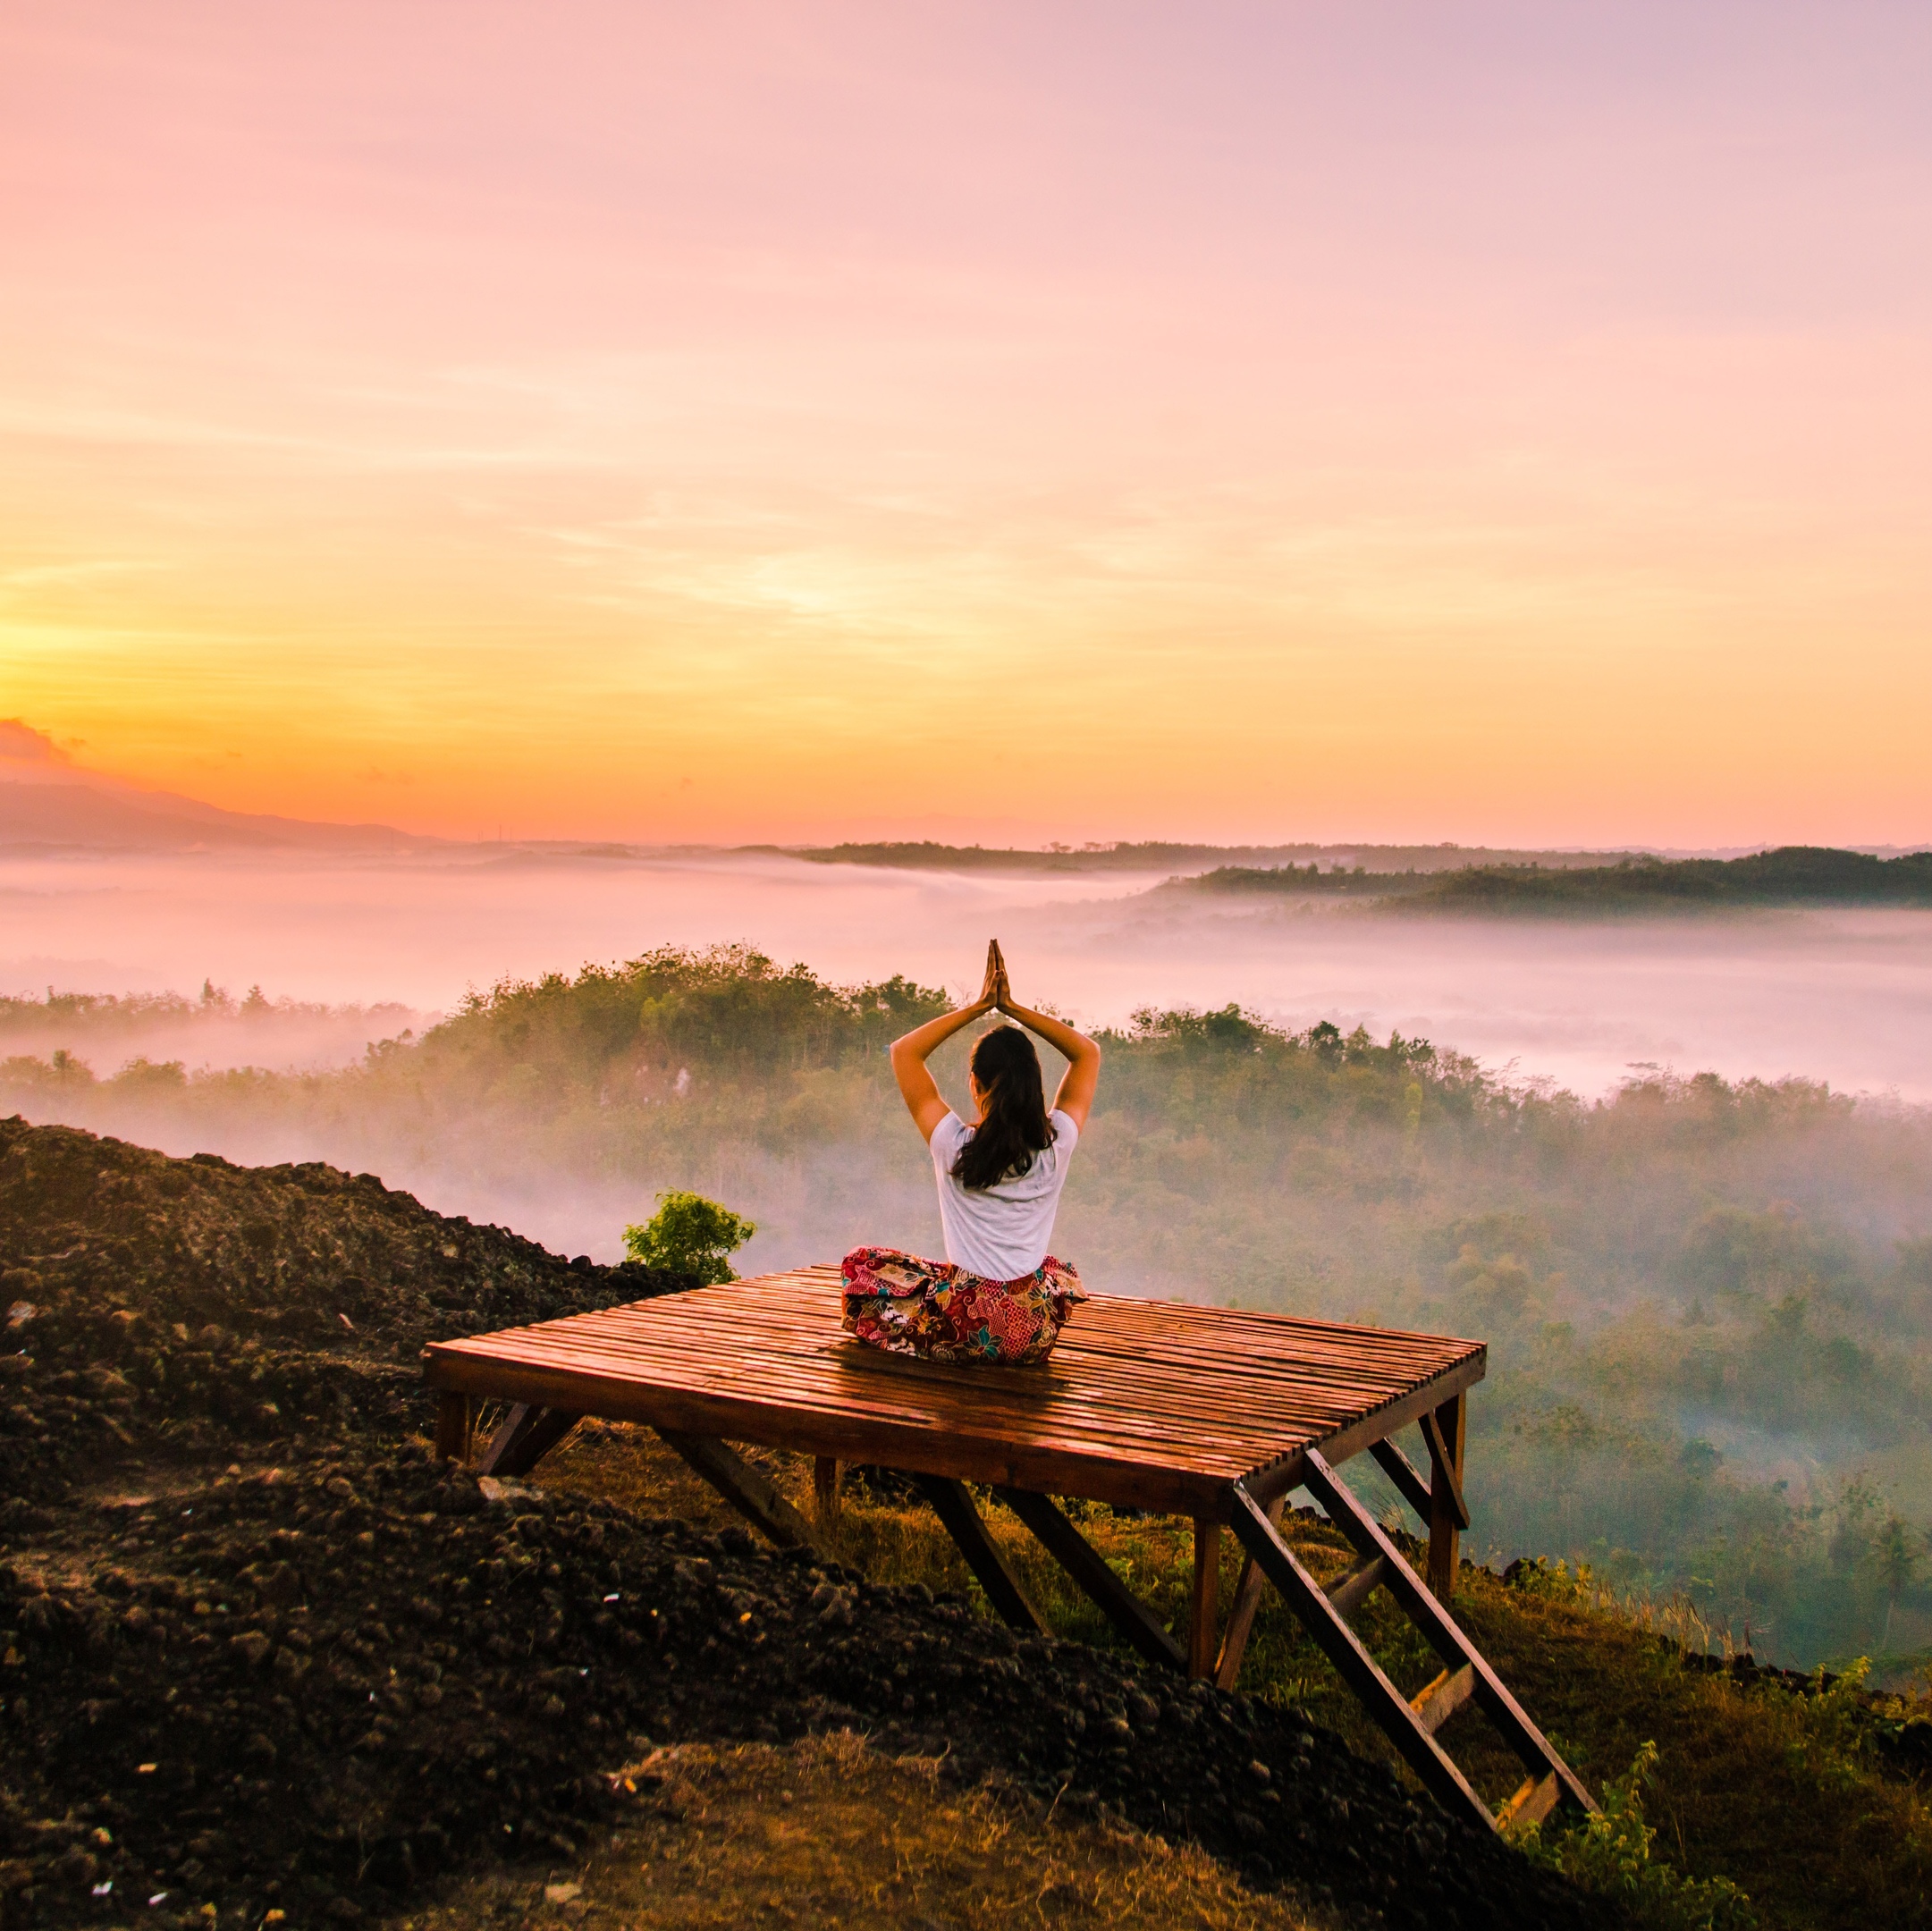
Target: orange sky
x,y
743,422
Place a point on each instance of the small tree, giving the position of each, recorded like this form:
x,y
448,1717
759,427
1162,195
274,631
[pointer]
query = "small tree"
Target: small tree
x,y
690,1234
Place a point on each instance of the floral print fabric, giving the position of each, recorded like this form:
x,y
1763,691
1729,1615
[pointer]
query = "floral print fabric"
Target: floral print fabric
x,y
939,1312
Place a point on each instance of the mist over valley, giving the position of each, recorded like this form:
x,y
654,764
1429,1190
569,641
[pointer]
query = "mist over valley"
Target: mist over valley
x,y
1675,1171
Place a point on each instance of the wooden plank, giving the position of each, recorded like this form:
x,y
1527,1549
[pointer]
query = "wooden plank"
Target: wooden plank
x,y
825,1472
1357,1586
1130,1616
985,1557
1439,1629
1445,1428
454,1414
745,1489
1357,1668
1406,1477
1204,1615
1435,1702
1246,1606
524,1436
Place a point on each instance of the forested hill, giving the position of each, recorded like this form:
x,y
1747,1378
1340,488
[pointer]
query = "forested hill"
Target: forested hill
x,y
1792,875
1265,860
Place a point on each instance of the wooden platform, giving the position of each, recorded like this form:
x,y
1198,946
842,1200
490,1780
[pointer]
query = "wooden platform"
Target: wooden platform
x,y
1145,1403
1214,1413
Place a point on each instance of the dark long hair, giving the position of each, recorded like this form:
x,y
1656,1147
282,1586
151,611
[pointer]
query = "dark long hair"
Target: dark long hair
x,y
1015,1126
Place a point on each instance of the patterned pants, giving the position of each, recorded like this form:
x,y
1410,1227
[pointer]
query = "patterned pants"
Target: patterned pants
x,y
939,1311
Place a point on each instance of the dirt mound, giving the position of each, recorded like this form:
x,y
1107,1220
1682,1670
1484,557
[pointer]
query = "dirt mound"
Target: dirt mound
x,y
306,1693
305,1690
188,1306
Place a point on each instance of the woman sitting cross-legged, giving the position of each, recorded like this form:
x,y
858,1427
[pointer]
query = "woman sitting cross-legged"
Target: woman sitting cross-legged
x,y
999,1295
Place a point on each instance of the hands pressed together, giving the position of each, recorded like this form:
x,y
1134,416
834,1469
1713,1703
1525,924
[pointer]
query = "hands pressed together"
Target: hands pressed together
x,y
997,993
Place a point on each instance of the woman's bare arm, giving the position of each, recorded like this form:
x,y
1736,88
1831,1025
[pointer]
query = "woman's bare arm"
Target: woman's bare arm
x,y
1082,1075
910,1053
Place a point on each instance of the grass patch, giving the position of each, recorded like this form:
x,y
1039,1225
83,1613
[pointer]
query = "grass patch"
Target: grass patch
x,y
830,1833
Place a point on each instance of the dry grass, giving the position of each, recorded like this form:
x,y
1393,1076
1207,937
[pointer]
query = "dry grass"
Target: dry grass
x,y
830,1832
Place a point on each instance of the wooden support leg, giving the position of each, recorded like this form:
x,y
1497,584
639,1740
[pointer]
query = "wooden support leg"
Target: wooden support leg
x,y
1084,1564
453,1417
825,1474
1240,1617
985,1557
1445,1429
1203,1620
524,1436
745,1488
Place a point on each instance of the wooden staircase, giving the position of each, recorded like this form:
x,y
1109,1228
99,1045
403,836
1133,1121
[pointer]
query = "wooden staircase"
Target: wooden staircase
x,y
1410,1723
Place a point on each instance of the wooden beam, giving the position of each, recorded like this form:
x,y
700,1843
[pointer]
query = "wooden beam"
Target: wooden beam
x,y
825,1472
1406,1477
523,1438
1130,1616
749,1492
1446,1428
953,1504
1203,1617
454,1414
1246,1605
1435,1703
1358,1669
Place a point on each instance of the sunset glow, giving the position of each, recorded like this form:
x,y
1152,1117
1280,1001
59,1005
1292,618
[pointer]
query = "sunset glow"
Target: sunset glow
x,y
750,422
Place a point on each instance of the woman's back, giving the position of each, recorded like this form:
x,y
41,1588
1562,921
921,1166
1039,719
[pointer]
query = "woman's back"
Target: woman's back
x,y
1003,1231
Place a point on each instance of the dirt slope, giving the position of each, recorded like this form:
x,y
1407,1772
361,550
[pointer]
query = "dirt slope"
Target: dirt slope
x,y
306,1683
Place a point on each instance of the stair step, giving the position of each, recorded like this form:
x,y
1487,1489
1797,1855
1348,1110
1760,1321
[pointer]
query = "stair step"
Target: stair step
x,y
1533,1802
1437,1702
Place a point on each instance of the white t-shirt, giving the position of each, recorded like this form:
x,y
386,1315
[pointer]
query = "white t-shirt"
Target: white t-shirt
x,y
1001,1233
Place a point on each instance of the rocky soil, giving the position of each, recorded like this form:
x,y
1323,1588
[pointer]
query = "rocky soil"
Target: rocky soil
x,y
306,1676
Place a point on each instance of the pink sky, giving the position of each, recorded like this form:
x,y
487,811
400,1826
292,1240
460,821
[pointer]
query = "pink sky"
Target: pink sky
x,y
1497,422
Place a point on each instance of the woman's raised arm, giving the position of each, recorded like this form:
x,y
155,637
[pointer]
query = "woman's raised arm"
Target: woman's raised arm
x,y
1082,1075
910,1053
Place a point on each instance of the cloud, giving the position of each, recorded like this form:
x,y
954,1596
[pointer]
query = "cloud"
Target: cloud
x,y
21,743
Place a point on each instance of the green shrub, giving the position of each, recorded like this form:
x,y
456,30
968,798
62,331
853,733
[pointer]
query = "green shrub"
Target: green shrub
x,y
1610,1853
690,1234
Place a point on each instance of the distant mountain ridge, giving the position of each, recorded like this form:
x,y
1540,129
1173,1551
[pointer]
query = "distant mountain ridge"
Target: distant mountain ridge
x,y
51,816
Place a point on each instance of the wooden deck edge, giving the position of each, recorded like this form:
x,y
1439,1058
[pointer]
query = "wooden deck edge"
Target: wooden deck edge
x,y
918,1451
1285,1476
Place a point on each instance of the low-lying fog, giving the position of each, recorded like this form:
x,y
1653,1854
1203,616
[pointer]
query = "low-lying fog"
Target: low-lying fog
x,y
1709,1307
1842,996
